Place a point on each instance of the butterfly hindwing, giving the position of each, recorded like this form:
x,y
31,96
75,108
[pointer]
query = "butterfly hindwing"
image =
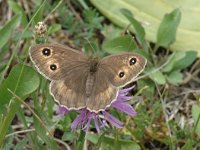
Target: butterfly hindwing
x,y
103,92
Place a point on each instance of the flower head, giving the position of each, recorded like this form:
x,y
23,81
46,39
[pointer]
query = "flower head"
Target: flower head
x,y
102,118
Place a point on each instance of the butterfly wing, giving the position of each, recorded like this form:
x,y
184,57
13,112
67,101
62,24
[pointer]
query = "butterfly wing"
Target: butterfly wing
x,y
69,71
103,92
70,92
123,68
66,68
55,61
114,72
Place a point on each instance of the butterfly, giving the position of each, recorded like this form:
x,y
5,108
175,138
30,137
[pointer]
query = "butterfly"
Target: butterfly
x,y
78,81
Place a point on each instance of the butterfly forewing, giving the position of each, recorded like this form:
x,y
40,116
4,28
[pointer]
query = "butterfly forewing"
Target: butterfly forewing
x,y
55,61
123,68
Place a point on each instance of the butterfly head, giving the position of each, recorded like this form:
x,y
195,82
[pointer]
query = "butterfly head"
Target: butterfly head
x,y
94,63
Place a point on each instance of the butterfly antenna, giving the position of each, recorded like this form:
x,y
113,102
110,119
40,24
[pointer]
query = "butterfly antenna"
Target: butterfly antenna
x,y
90,45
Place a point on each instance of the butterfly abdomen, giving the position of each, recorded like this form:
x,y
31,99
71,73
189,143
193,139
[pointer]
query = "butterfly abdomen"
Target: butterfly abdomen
x,y
89,84
91,76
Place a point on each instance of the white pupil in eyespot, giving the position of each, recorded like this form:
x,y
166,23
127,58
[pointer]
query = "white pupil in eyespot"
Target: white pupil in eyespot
x,y
53,67
121,74
132,61
46,52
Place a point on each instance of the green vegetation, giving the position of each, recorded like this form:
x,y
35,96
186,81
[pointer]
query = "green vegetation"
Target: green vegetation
x,y
166,98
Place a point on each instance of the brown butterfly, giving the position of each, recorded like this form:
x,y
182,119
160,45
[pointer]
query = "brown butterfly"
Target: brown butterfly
x,y
78,81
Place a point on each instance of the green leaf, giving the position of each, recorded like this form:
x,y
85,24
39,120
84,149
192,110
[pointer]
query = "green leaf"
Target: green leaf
x,y
186,61
149,91
196,116
81,140
174,59
167,30
44,135
7,29
110,31
54,28
22,80
39,16
158,77
19,36
119,44
139,30
92,49
113,143
150,15
18,10
92,19
20,145
175,77
8,143
68,136
93,138
180,60
188,145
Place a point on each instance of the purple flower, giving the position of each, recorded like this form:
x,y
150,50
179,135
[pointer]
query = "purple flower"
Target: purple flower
x,y
102,118
61,111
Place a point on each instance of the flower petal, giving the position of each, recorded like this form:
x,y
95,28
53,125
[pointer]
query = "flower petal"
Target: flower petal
x,y
123,98
96,123
122,91
103,124
102,118
114,121
88,124
80,119
61,111
125,107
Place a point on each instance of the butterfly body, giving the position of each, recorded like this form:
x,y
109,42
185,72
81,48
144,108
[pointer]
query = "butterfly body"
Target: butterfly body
x,y
89,83
81,82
